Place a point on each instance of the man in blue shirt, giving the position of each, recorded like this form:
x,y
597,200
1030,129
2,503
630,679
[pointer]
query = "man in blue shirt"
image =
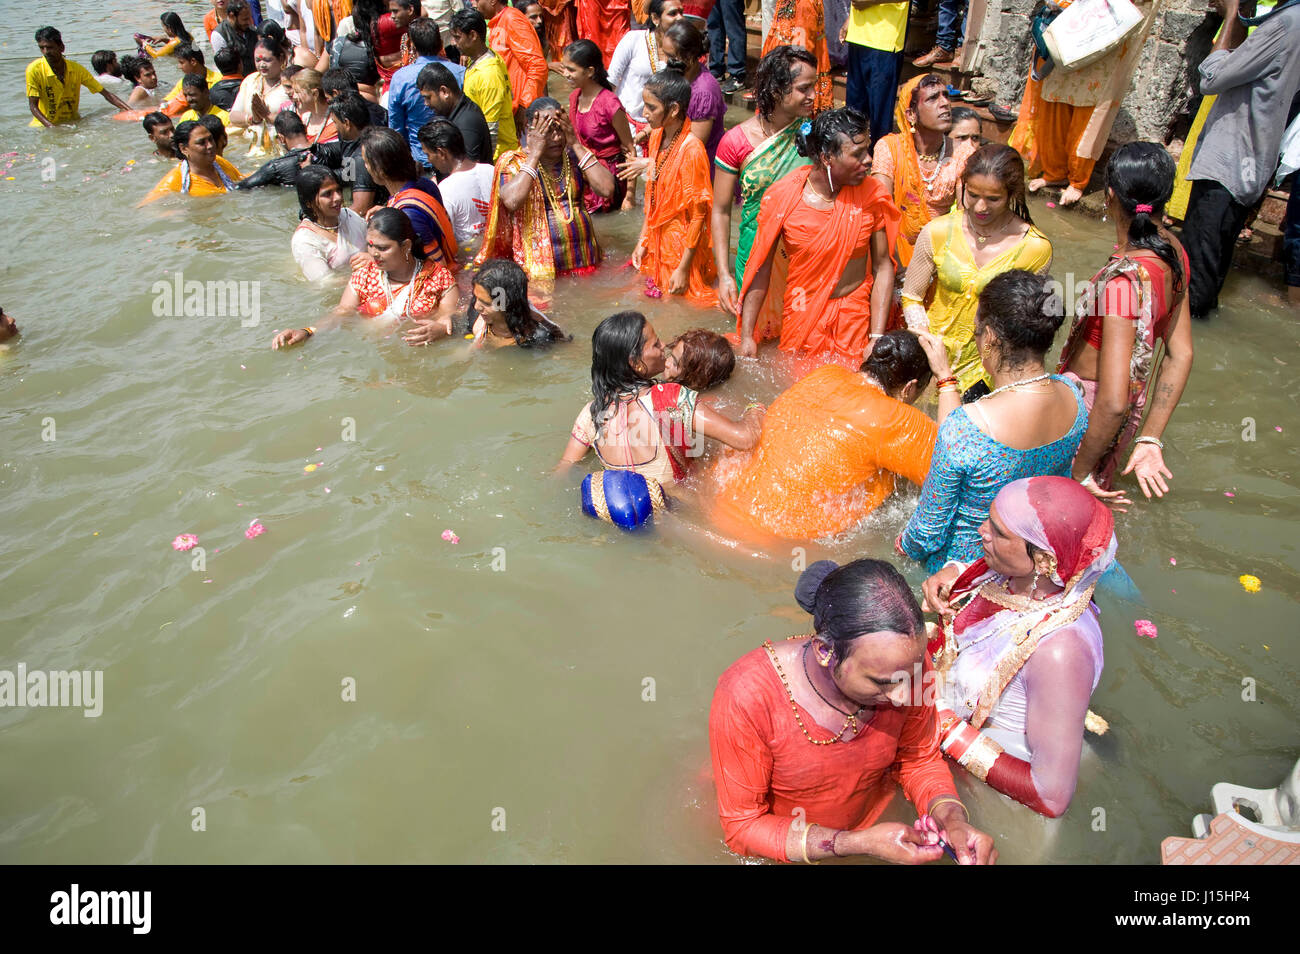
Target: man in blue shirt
x,y
406,109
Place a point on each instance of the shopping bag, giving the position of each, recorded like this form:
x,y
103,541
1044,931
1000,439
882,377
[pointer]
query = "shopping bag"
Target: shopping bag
x,y
1089,29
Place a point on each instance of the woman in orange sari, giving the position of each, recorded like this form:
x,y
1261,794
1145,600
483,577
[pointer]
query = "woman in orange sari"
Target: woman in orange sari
x,y
920,164
835,442
838,227
558,20
674,251
604,22
803,23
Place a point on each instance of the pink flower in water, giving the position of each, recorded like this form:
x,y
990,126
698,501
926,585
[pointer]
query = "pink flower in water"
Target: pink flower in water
x,y
1229,493
1145,627
450,537
186,541
255,529
1173,561
652,290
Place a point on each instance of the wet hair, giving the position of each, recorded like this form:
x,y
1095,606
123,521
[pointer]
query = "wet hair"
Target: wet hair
x,y
586,54
351,108
1024,311
182,133
309,183
855,600
928,81
439,133
1142,173
775,76
172,21
101,60
194,81
896,358
614,344
688,40
228,60
153,120
435,76
337,80
425,36
288,123
962,113
707,359
504,276
188,51
469,21
47,34
214,125
132,67
1005,165
828,133
388,151
393,224
671,88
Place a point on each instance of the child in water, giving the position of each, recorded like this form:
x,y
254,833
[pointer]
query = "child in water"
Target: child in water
x,y
699,360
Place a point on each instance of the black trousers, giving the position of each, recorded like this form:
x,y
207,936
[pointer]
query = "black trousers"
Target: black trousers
x,y
1214,220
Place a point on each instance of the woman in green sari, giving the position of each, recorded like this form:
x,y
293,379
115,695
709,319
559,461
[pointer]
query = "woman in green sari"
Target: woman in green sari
x,y
756,154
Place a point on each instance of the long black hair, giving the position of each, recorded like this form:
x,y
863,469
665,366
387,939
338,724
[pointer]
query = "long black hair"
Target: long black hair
x,y
393,224
587,55
172,21
850,601
503,278
1142,173
896,358
775,77
1024,311
1004,164
615,343
310,181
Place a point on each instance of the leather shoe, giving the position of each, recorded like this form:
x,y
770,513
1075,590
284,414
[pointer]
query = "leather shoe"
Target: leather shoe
x,y
934,56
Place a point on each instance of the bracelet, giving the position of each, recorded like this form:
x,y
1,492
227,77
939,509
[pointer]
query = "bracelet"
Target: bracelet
x,y
951,379
873,337
1089,481
834,841
584,163
1150,440
949,798
533,172
807,860
310,331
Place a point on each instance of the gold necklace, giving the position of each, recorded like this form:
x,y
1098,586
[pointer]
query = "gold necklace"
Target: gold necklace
x,y
851,721
660,160
552,194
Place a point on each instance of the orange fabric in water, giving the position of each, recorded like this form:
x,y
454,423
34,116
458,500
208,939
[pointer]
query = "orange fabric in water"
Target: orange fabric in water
x,y
819,245
677,206
830,448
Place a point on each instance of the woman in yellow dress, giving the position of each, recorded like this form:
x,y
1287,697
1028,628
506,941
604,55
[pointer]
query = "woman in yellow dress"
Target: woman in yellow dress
x,y
201,171
990,232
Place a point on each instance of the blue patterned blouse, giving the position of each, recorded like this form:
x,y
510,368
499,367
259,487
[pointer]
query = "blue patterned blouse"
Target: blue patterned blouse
x,y
968,470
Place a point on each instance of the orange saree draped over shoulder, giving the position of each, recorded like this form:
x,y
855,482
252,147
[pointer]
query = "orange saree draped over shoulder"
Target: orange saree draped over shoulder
x,y
803,23
820,243
677,205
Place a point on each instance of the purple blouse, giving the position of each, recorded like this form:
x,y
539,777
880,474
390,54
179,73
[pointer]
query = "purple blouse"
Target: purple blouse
x,y
707,103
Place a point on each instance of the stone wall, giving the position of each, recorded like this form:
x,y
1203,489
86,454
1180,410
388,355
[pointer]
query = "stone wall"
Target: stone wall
x,y
1163,84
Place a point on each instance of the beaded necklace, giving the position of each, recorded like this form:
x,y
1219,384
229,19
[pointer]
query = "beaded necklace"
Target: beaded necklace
x,y
850,722
660,161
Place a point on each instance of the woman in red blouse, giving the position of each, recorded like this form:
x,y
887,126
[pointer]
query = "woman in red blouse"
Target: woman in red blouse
x,y
807,736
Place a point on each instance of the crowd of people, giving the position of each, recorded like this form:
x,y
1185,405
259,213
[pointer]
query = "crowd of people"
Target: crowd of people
x,y
883,245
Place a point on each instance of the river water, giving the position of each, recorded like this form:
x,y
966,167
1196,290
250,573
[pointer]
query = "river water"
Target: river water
x,y
539,691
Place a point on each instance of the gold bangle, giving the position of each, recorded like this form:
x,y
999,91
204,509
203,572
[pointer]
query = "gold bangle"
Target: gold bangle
x,y
949,798
807,860
310,331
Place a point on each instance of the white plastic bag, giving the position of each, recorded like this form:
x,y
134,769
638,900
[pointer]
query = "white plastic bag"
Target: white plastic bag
x,y
1290,158
1089,29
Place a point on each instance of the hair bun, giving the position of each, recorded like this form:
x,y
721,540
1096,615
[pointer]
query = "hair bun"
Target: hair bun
x,y
805,591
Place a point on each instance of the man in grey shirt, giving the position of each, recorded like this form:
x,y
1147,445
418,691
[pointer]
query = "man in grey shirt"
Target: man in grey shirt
x,y
1255,79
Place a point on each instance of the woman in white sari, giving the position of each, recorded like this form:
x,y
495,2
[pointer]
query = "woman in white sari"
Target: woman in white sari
x,y
261,97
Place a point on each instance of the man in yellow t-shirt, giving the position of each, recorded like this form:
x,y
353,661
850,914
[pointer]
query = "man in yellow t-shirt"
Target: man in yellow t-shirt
x,y
190,60
196,94
486,80
54,83
875,33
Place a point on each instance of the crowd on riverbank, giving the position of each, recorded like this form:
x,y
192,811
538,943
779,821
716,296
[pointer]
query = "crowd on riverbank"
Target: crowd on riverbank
x,y
890,251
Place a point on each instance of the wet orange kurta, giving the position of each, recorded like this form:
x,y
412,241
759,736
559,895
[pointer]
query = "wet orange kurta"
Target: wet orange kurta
x,y
820,243
604,22
830,448
512,37
677,204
